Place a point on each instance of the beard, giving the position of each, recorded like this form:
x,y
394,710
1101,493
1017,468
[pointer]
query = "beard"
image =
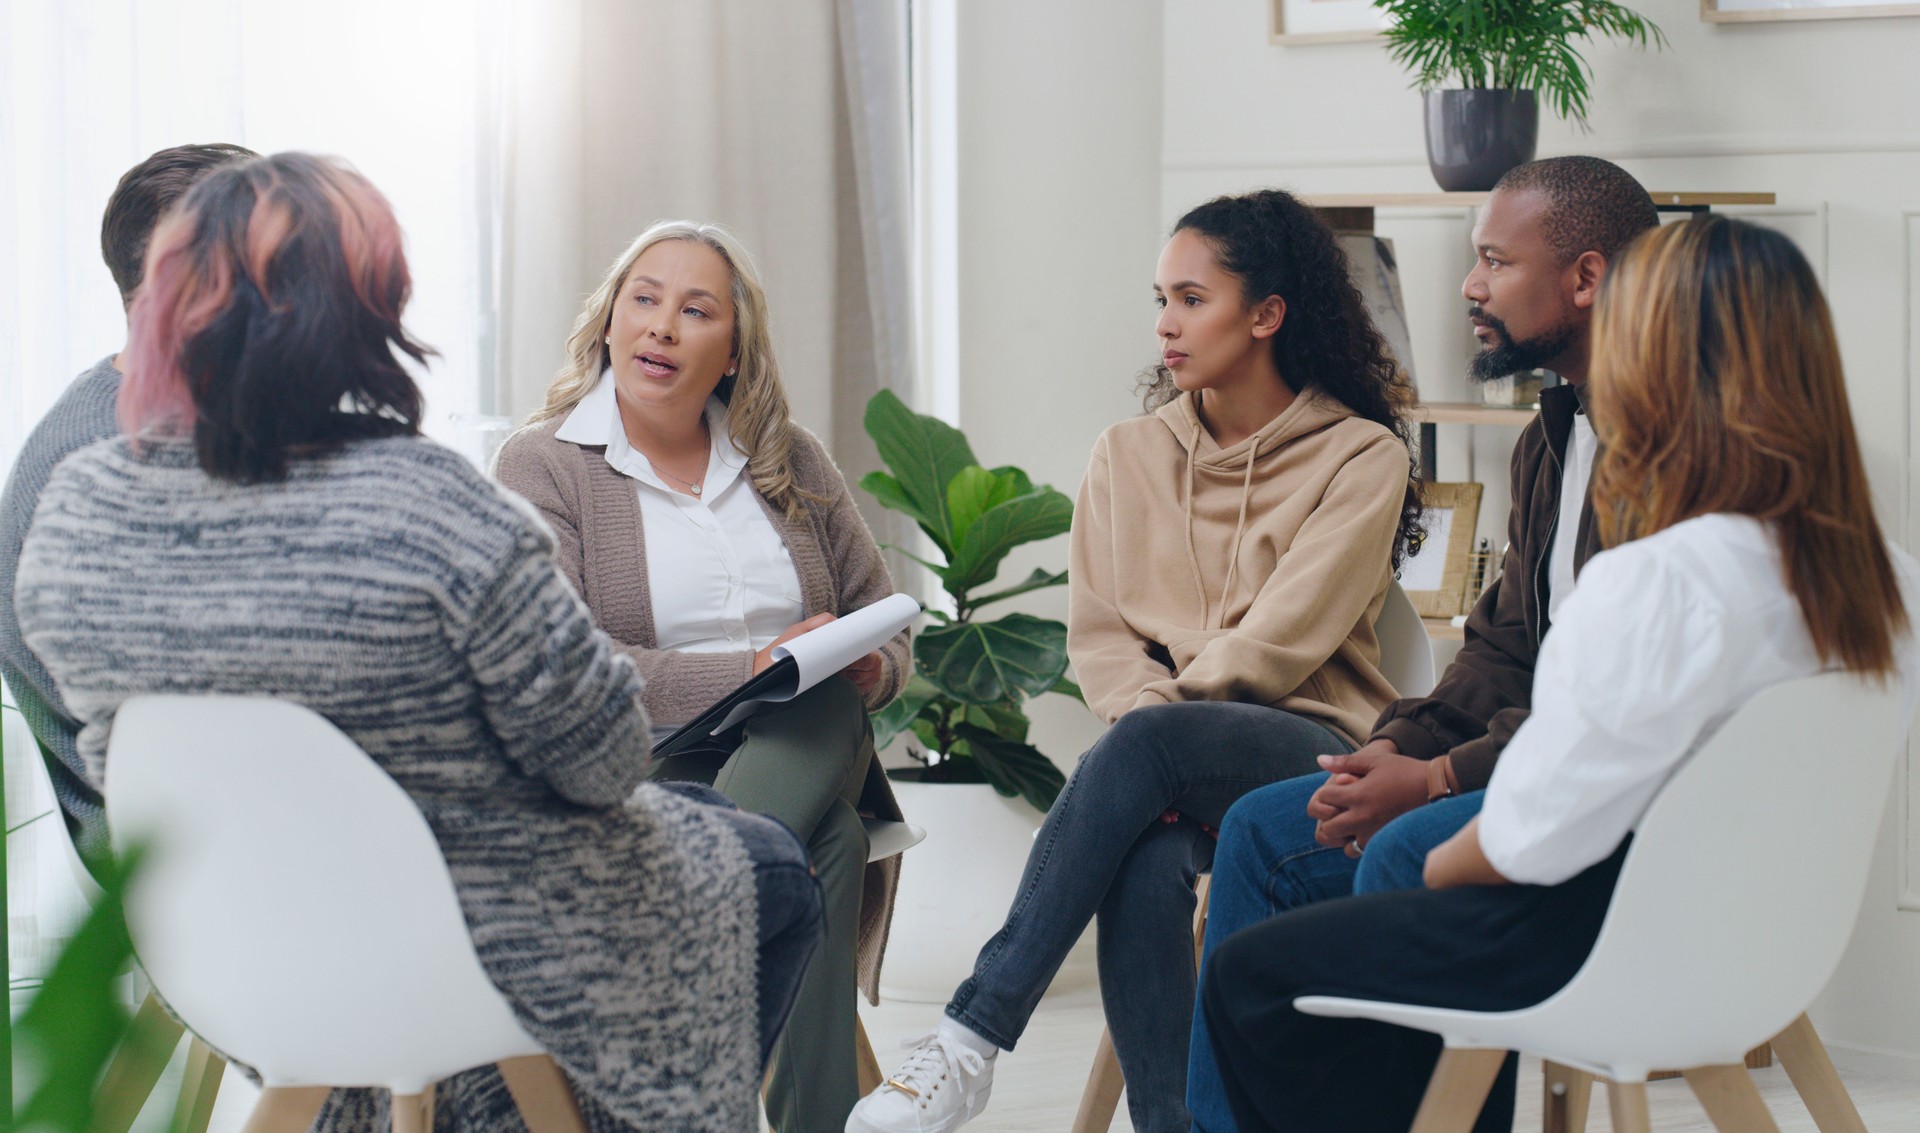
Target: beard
x,y
1506,354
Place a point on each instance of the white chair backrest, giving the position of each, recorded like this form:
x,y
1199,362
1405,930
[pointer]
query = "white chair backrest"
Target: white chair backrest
x,y
1743,881
54,825
1406,655
293,906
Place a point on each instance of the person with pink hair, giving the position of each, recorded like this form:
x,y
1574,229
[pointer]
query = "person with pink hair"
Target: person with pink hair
x,y
273,524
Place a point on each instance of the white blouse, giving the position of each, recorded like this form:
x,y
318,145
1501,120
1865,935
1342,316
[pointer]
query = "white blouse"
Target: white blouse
x,y
1663,639
720,576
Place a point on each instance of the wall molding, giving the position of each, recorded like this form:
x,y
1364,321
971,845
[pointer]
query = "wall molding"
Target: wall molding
x,y
1904,141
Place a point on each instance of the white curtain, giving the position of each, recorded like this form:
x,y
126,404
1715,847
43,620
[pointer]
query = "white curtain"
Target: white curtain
x,y
786,121
398,87
523,143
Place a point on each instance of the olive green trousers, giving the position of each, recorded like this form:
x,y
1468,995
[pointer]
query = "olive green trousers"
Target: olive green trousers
x,y
804,762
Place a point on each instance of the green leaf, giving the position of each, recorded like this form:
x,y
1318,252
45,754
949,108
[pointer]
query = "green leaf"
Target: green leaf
x,y
1040,514
1021,484
894,718
924,454
989,662
1065,687
902,551
75,1021
1015,768
1006,719
1038,580
974,490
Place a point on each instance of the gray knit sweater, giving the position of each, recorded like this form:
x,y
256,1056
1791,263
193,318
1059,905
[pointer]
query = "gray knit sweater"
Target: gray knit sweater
x,y
84,414
396,591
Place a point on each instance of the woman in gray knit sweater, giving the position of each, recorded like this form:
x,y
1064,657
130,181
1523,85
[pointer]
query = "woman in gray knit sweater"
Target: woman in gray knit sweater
x,y
272,524
702,526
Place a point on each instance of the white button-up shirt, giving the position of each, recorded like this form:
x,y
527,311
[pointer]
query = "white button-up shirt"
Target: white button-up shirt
x,y
1582,444
1663,639
720,576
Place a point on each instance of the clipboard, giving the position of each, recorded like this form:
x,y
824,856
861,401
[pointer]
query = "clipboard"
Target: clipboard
x,y
797,666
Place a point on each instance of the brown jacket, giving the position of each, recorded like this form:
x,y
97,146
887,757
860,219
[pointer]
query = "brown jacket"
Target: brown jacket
x,y
1251,573
1486,693
600,546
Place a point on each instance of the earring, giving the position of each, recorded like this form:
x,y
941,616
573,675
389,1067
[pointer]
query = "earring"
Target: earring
x,y
729,373
609,340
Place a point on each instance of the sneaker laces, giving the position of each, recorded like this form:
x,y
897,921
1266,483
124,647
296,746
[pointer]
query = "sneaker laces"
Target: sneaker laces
x,y
934,1057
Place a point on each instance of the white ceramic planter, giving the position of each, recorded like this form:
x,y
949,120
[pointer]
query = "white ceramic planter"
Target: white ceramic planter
x,y
955,887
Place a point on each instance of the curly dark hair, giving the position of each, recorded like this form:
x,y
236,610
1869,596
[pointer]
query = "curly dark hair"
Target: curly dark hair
x,y
1277,246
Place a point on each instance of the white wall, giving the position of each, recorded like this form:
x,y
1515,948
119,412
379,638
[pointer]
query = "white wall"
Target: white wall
x,y
1824,113
1058,165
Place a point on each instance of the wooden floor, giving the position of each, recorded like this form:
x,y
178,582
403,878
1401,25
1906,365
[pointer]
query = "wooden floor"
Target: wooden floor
x,y
1036,1089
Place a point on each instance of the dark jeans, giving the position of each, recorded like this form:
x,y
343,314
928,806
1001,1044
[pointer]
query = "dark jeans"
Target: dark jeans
x,y
1104,850
1268,863
1479,948
789,907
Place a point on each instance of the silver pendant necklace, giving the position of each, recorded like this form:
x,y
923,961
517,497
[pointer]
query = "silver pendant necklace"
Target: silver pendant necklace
x,y
693,486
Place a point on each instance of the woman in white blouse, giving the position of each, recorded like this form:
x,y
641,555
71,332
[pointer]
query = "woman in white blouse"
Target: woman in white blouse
x,y
1744,553
703,527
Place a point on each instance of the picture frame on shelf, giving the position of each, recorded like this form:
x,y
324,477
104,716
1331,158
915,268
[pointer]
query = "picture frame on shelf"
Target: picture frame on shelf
x,y
1436,578
1755,11
1376,275
1302,22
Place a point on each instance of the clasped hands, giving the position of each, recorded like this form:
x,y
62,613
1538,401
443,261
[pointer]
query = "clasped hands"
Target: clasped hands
x,y
1372,787
864,673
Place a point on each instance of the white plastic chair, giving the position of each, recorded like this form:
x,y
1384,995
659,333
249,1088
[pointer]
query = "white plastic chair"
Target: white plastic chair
x,y
294,909
1406,660
1726,921
134,1071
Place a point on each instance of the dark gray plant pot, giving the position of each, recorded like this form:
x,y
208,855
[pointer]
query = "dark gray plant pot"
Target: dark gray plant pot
x,y
1475,136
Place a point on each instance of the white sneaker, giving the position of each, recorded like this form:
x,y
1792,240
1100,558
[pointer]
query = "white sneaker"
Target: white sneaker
x,y
941,1086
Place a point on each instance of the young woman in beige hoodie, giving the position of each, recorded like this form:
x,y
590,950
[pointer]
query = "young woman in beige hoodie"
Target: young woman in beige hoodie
x,y
1231,550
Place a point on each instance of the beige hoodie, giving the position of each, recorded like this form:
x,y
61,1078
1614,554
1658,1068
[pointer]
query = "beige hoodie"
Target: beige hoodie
x,y
1251,573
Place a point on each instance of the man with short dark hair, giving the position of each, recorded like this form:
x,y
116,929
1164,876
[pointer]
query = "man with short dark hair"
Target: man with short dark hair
x,y
85,414
1542,245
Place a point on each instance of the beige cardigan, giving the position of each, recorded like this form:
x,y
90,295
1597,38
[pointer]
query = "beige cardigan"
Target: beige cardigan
x,y
600,545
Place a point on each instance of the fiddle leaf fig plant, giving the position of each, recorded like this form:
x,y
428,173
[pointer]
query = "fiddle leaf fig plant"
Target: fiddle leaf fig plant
x,y
964,705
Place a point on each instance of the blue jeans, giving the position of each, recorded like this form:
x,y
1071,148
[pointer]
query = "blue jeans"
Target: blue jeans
x,y
1268,863
787,901
1104,851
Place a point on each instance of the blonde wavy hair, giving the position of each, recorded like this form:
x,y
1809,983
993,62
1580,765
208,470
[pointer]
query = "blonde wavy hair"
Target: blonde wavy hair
x,y
757,413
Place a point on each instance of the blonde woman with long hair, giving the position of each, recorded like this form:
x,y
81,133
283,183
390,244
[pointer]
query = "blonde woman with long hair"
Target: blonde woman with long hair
x,y
1743,552
702,527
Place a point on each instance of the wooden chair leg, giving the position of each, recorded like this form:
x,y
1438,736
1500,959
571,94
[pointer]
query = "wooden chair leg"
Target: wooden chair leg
x,y
409,1111
545,1099
1101,1098
199,1087
1731,1099
1566,1093
1203,895
137,1064
865,1064
286,1109
1457,1090
1628,1103
1806,1061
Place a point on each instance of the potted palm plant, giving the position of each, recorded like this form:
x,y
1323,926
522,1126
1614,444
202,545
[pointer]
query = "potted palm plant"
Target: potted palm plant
x,y
1507,56
978,785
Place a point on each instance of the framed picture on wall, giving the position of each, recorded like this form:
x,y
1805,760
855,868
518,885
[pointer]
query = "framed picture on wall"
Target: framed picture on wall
x,y
1436,578
1326,21
1745,11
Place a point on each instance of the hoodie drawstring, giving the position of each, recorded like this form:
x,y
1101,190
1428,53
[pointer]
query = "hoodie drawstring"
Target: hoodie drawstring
x,y
1193,556
1239,530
